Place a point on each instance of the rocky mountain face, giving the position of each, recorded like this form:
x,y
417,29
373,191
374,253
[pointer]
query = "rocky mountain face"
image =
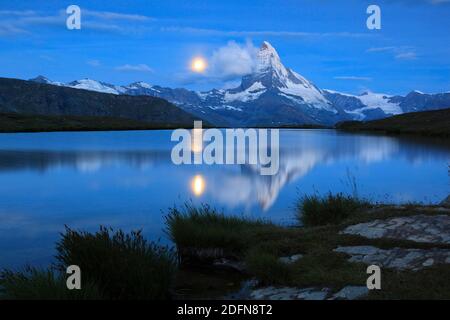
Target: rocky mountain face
x,y
273,95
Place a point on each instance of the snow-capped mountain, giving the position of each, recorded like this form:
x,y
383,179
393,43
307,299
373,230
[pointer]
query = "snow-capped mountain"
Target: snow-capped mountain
x,y
84,84
366,106
93,85
419,101
370,106
42,79
271,74
274,95
271,95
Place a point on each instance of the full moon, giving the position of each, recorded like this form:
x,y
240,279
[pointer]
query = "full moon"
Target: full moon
x,y
198,64
198,185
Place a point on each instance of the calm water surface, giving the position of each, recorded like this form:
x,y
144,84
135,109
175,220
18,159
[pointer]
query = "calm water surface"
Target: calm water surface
x,y
127,180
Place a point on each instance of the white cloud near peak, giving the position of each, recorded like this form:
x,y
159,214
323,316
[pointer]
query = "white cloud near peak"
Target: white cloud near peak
x,y
232,60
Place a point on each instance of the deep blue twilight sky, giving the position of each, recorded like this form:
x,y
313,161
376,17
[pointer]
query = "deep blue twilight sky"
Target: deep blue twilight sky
x,y
326,41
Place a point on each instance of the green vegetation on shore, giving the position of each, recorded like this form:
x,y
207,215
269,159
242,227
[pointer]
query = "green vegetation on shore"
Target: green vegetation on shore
x,y
41,284
194,227
117,265
426,123
315,210
13,122
320,266
114,265
124,266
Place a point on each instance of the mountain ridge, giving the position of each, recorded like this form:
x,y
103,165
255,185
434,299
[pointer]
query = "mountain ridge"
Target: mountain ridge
x,y
42,99
274,95
427,123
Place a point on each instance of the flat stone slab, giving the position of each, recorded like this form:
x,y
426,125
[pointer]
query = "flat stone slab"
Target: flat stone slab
x,y
397,258
290,293
419,228
244,292
351,293
291,259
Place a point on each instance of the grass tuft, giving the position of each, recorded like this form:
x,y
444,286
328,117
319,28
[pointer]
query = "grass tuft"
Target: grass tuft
x,y
37,284
315,210
206,228
123,266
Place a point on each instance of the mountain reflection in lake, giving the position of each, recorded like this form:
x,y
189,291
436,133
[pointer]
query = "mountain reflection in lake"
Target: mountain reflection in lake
x,y
127,180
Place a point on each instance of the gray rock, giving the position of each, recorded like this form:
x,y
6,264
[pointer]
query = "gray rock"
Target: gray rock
x,y
351,293
397,258
419,228
358,250
272,293
261,293
246,289
290,293
291,259
314,294
429,262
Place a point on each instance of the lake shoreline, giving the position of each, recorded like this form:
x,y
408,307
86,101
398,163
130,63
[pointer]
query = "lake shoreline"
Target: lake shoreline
x,y
329,261
19,123
237,258
125,179
434,123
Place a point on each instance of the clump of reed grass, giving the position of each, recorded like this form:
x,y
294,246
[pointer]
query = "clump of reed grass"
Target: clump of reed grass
x,y
204,227
122,265
316,210
43,284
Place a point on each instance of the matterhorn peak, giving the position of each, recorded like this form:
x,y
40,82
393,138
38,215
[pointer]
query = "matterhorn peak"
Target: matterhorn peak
x,y
266,46
268,59
272,76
